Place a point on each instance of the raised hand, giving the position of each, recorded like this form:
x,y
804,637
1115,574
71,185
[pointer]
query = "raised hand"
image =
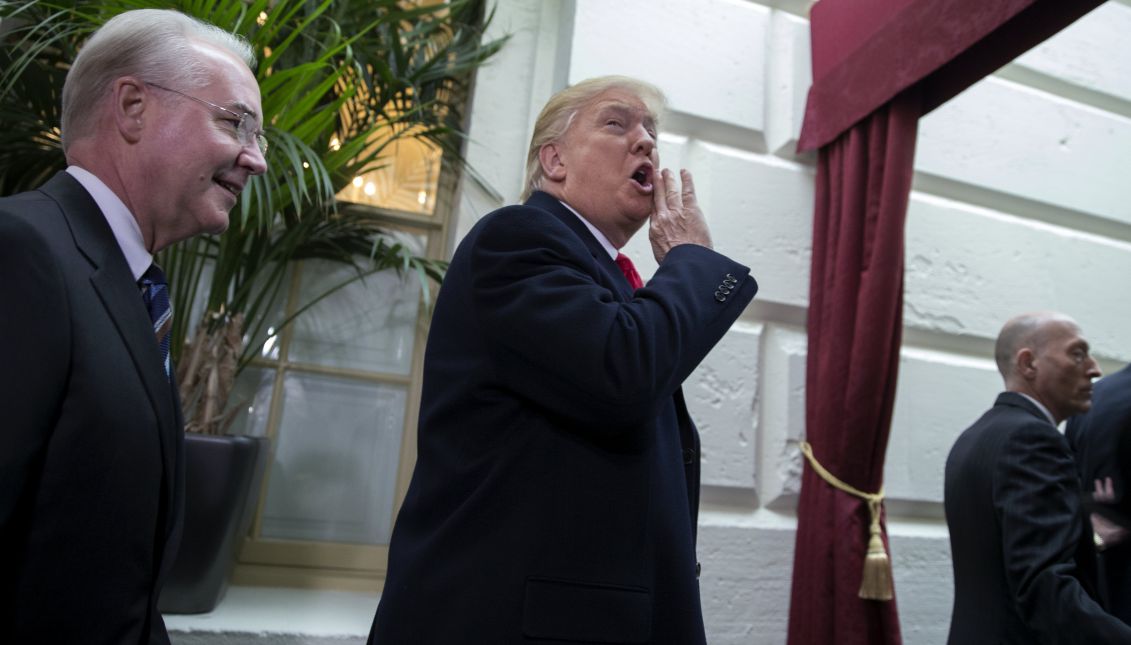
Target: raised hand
x,y
677,218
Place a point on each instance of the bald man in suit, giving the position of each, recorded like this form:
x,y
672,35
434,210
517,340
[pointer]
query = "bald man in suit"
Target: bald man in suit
x,y
1024,565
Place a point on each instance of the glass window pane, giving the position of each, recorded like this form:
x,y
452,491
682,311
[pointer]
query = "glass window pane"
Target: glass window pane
x,y
369,325
251,394
265,333
406,180
336,453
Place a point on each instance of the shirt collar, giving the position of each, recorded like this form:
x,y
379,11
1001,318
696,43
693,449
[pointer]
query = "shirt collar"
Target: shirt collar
x,y
122,222
604,241
1041,407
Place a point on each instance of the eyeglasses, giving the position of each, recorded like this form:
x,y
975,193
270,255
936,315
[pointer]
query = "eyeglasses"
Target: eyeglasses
x,y
247,128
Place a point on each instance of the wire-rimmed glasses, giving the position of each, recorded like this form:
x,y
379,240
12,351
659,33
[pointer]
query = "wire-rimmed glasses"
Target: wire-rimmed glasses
x,y
247,128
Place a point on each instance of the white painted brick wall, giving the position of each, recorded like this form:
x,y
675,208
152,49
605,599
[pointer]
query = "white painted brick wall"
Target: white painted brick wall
x,y
1031,144
1093,53
719,43
1022,200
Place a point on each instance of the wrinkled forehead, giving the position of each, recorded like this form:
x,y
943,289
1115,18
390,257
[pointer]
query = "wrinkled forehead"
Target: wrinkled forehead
x,y
623,101
232,85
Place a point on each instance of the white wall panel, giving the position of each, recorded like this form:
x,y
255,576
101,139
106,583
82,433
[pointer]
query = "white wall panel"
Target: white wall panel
x,y
722,396
1029,144
708,56
938,396
924,587
783,416
789,74
745,583
1094,52
970,269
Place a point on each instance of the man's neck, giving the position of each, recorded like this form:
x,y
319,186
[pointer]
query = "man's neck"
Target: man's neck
x,y
1041,406
601,238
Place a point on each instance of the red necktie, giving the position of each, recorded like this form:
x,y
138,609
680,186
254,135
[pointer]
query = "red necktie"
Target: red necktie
x,y
629,271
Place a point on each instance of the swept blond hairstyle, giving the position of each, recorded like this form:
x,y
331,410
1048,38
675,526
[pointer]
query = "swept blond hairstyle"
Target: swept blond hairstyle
x,y
560,110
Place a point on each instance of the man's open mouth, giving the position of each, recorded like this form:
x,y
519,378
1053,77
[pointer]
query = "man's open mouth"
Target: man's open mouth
x,y
643,176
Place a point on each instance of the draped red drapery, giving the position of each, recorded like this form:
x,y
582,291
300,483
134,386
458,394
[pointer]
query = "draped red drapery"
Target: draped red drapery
x,y
878,65
856,290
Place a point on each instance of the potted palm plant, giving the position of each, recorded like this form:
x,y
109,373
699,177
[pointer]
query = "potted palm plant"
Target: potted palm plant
x,y
342,82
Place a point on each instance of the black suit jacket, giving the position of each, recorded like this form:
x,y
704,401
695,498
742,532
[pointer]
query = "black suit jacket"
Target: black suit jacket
x,y
1023,559
1101,440
556,489
90,470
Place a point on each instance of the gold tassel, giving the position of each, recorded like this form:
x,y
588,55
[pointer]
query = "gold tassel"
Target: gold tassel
x,y
876,581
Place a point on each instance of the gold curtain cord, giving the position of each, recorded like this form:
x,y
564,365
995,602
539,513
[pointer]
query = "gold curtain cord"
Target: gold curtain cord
x,y
876,582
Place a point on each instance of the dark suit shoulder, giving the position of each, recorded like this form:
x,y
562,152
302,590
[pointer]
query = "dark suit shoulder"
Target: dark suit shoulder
x,y
38,211
26,256
521,226
1037,444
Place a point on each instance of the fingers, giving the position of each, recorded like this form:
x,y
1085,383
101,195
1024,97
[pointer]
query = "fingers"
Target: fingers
x,y
671,192
688,192
659,198
1103,490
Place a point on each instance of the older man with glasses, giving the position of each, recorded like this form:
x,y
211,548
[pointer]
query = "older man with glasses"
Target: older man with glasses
x,y
161,131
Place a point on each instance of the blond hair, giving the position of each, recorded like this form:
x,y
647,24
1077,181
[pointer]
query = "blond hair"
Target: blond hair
x,y
560,110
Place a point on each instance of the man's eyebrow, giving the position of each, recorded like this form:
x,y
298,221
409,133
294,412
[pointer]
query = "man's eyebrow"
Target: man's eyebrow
x,y
615,107
240,107
626,109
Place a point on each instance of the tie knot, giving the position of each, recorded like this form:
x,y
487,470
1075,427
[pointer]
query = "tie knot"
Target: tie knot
x,y
629,271
153,275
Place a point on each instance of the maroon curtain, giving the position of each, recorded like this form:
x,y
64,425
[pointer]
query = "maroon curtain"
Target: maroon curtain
x,y
854,325
865,52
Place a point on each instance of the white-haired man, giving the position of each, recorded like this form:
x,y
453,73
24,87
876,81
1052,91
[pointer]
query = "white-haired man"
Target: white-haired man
x,y
556,489
1024,566
161,131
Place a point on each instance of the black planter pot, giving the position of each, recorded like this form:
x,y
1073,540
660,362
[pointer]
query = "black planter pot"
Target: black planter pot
x,y
222,479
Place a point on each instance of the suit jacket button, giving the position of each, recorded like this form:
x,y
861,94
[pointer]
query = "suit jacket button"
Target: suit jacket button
x,y
720,296
688,456
698,569
730,276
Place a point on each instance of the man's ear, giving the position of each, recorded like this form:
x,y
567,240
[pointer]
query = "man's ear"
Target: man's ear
x,y
1026,363
130,103
553,166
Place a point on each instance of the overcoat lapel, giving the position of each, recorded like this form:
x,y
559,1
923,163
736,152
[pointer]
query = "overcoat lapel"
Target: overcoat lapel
x,y
613,275
688,434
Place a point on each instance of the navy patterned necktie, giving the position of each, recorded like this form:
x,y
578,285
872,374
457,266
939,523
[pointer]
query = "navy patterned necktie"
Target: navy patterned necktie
x,y
155,294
